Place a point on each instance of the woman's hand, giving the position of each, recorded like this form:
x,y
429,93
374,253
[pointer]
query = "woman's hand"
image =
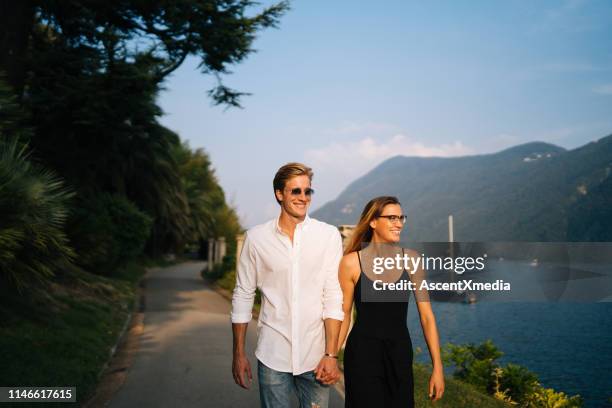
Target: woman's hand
x,y
436,384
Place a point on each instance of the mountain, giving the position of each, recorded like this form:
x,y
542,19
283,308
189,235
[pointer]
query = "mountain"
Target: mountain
x,y
531,192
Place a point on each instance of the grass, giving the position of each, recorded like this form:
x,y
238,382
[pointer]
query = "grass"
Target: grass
x,y
227,281
63,337
457,394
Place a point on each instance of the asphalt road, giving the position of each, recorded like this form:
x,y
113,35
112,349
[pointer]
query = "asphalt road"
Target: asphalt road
x,y
184,354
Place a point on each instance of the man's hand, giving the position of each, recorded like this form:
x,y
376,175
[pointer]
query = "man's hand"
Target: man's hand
x,y
241,369
327,372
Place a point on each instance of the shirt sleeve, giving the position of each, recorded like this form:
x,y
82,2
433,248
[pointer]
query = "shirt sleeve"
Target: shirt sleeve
x,y
246,283
332,293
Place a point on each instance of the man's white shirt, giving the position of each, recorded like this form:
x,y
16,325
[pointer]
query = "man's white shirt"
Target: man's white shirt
x,y
299,289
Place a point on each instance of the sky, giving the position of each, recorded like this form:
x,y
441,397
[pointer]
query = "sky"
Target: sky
x,y
341,86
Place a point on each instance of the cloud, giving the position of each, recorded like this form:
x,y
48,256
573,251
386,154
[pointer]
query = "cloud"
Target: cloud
x,y
365,153
338,164
358,147
605,89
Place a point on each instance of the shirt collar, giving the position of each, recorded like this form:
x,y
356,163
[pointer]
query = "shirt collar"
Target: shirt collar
x,y
304,224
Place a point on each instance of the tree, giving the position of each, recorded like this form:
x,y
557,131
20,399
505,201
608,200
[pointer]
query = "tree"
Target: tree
x,y
590,216
211,216
33,207
88,74
164,33
33,210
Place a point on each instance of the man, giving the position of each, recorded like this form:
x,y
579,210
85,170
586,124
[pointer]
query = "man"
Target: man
x,y
293,260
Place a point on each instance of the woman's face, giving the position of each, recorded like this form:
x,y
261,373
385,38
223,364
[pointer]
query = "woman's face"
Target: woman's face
x,y
386,228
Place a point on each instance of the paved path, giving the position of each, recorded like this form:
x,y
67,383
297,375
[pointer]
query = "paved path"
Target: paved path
x,y
184,355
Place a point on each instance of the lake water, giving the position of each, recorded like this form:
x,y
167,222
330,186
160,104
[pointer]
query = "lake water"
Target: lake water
x,y
568,345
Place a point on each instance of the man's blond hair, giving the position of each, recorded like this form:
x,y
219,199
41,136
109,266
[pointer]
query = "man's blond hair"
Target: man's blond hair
x,y
288,171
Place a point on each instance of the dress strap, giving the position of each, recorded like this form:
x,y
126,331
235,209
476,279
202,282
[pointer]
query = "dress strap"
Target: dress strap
x,y
360,267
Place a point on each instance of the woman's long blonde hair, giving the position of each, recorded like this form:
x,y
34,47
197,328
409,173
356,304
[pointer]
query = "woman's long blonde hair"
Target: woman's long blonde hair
x,y
363,232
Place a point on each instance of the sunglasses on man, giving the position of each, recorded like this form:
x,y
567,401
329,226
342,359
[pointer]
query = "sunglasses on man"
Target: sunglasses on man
x,y
298,191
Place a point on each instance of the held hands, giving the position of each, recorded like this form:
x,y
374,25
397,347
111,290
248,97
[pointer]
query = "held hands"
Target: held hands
x,y
327,372
436,384
241,369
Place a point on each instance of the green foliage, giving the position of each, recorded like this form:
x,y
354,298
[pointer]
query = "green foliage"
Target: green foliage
x,y
204,195
158,34
227,281
108,231
590,216
457,394
498,392
210,214
99,129
66,337
13,120
519,381
474,363
200,188
548,398
227,265
92,72
33,201
84,78
514,384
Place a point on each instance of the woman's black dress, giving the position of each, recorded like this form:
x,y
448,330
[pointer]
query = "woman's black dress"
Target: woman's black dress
x,y
378,354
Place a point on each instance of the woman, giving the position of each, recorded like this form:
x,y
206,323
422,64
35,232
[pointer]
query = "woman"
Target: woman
x,y
378,353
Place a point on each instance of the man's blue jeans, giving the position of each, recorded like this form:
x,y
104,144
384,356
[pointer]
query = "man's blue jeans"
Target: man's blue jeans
x,y
275,389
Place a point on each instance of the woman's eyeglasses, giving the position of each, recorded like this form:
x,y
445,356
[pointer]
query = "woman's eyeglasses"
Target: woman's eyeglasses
x,y
298,191
395,218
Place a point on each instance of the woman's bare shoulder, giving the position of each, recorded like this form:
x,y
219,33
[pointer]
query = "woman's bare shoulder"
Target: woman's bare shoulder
x,y
349,265
351,259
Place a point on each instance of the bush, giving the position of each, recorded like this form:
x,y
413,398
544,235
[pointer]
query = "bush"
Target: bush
x,y
33,210
514,384
108,231
474,363
548,398
227,265
519,381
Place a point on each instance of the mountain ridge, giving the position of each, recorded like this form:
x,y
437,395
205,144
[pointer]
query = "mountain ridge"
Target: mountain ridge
x,y
525,192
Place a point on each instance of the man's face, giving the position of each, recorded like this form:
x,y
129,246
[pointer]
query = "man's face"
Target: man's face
x,y
293,198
